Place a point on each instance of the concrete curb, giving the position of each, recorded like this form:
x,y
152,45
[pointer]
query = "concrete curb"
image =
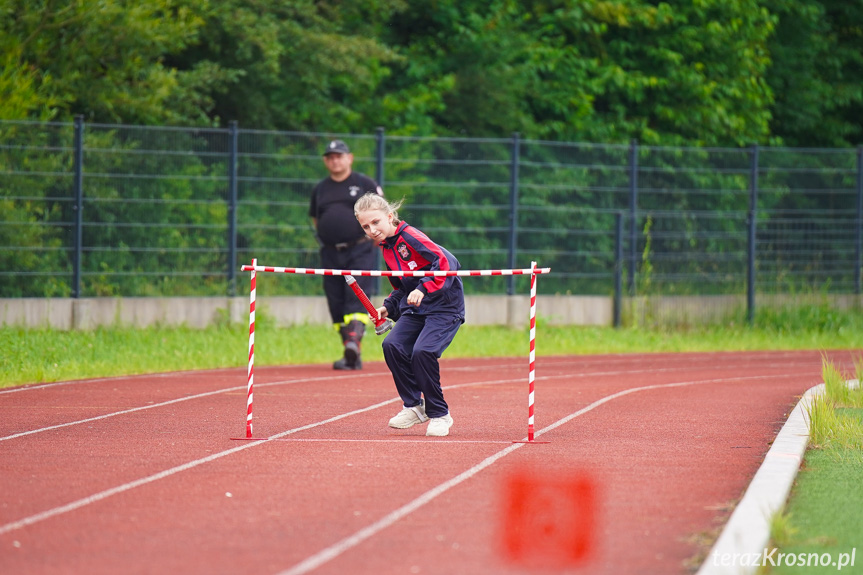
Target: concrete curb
x,y
741,545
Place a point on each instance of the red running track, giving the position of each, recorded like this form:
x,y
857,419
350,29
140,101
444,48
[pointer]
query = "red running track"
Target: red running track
x,y
140,474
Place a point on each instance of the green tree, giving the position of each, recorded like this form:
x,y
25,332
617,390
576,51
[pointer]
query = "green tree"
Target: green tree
x,y
466,68
301,65
670,73
596,70
22,94
100,58
817,73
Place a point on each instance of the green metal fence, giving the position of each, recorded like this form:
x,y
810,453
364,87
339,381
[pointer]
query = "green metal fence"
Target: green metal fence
x,y
113,210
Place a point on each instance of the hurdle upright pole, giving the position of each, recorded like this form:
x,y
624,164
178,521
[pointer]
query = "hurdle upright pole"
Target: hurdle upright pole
x,y
531,374
532,356
251,372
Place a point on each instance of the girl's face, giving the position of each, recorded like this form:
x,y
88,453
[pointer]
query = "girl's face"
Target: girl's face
x,y
378,224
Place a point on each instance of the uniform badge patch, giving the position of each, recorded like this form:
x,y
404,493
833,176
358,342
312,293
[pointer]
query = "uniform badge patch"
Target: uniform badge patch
x,y
354,190
404,252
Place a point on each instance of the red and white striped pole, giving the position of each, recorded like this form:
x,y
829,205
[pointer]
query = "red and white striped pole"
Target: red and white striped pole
x,y
251,370
531,376
532,359
397,273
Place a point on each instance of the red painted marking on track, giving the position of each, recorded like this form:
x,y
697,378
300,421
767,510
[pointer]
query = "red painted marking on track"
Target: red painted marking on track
x,y
549,521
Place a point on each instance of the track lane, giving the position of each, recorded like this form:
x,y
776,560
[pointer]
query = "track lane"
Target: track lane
x,y
497,410
20,419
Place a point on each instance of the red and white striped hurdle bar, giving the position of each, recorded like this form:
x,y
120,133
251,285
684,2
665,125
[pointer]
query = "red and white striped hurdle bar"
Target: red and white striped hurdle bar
x,y
389,273
533,271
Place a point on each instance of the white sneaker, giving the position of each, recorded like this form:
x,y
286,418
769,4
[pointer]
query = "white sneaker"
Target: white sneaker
x,y
439,426
410,416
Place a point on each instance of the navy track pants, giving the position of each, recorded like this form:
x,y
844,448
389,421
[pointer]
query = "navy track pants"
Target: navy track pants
x,y
412,349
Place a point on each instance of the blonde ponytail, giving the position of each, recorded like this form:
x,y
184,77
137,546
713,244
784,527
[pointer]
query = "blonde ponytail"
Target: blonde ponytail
x,y
372,201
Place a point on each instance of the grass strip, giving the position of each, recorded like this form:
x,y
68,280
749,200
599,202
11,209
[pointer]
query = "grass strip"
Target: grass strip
x,y
823,514
45,355
820,528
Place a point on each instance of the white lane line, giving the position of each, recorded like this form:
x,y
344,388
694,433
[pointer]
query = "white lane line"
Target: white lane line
x,y
328,378
259,385
314,561
549,361
186,466
187,398
107,415
172,471
431,441
164,375
334,551
368,531
162,404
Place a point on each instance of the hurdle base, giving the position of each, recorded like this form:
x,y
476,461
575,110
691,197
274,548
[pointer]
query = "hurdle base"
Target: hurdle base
x,y
249,438
530,434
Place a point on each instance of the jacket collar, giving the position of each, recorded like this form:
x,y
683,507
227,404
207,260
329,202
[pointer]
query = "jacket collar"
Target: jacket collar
x,y
391,241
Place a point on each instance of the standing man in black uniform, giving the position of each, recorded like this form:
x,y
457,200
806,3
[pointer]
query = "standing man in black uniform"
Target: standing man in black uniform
x,y
344,245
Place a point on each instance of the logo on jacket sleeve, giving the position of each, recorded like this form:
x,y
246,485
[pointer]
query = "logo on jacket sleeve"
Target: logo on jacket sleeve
x,y
404,251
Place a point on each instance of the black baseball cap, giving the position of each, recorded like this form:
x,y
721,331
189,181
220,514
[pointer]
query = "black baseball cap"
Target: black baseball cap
x,y
337,147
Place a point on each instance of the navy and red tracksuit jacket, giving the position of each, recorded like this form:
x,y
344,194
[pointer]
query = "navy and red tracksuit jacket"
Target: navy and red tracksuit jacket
x,y
411,250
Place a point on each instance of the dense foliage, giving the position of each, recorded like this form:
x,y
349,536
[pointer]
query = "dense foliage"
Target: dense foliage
x,y
692,82
711,72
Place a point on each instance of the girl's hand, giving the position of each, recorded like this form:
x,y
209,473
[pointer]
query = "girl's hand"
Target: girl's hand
x,y
415,298
382,312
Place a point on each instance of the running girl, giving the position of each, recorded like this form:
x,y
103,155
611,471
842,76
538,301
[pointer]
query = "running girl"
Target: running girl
x,y
428,312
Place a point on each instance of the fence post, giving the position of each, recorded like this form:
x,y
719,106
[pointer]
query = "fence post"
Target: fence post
x,y
633,213
78,206
380,154
859,227
618,267
380,142
753,224
513,209
232,208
